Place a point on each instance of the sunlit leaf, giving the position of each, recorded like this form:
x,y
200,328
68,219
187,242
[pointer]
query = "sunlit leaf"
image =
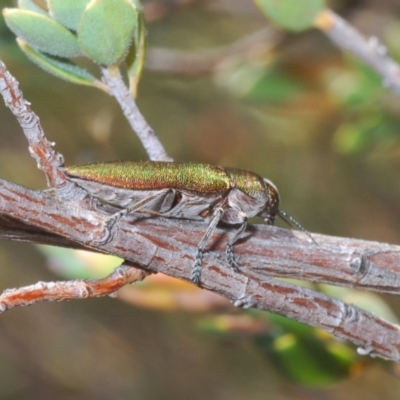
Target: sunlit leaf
x,y
106,30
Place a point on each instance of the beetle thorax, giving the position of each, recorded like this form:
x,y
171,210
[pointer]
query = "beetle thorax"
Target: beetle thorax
x,y
250,194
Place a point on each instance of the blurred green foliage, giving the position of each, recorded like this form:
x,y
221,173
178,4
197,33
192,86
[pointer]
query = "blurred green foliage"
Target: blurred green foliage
x,y
293,108
293,15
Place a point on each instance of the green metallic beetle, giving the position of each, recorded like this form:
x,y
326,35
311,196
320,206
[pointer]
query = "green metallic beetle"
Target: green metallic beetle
x,y
186,191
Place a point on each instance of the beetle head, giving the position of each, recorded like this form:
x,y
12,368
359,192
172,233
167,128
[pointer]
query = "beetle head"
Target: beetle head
x,y
271,207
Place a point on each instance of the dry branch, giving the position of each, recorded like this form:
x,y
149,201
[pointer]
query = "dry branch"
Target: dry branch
x,y
169,246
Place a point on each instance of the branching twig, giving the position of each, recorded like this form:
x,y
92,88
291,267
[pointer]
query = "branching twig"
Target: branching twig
x,y
70,290
370,51
40,148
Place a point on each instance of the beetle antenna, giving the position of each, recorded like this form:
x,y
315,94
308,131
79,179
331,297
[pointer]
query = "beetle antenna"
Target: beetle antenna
x,y
290,220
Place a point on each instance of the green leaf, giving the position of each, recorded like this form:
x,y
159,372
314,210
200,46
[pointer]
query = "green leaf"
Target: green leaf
x,y
62,68
42,33
31,6
68,13
106,30
295,15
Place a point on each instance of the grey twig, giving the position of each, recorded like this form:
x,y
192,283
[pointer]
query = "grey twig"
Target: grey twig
x,y
154,148
40,148
370,51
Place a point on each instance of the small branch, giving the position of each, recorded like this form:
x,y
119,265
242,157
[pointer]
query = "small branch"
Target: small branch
x,y
47,159
169,246
150,142
370,51
70,290
147,241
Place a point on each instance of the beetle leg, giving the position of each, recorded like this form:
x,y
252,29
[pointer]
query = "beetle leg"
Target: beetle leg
x,y
134,207
219,212
229,249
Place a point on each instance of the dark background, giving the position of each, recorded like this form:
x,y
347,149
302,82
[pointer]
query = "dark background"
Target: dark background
x,y
305,115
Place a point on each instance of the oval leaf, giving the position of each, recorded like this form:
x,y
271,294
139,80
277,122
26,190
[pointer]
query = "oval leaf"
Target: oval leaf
x,y
42,33
106,30
292,14
68,13
62,68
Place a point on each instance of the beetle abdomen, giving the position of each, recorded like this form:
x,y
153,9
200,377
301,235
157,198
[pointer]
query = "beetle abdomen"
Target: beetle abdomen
x,y
197,178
